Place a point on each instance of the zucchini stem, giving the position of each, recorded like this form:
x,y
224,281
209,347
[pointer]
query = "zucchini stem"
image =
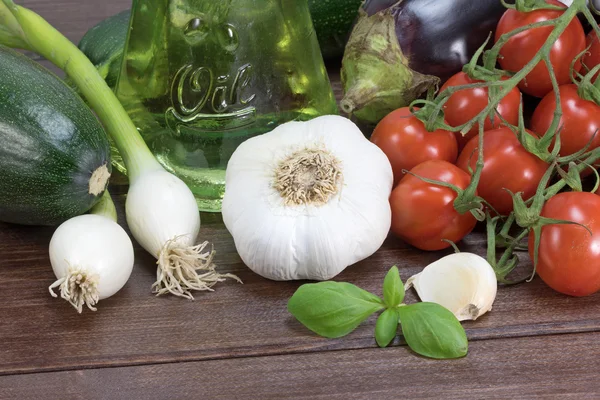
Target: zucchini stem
x,y
28,30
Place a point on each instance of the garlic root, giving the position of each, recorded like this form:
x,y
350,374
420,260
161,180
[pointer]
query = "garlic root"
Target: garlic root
x,y
178,267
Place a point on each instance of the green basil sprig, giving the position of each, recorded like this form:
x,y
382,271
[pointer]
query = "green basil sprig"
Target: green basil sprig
x,y
334,309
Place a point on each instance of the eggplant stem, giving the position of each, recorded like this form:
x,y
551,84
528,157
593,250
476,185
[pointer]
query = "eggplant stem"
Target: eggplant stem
x,y
347,106
178,268
79,287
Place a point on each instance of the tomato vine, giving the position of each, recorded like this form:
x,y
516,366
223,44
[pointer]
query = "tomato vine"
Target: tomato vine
x,y
526,215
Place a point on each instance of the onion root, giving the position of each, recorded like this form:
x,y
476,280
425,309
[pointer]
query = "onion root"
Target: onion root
x,y
178,268
79,287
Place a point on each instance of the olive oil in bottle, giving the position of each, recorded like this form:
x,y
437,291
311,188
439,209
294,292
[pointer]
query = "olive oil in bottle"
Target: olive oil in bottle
x,y
201,76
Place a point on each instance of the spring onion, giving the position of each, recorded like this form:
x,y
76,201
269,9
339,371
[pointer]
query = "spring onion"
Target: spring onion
x,y
91,255
161,211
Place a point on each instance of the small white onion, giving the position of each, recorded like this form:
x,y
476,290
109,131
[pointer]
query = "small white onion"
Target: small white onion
x,y
92,258
464,283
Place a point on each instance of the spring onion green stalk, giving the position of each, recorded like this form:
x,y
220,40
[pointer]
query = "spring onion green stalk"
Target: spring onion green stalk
x,y
91,255
161,210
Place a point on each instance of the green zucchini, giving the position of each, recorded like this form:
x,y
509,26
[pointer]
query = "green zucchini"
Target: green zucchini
x,y
54,154
333,20
104,43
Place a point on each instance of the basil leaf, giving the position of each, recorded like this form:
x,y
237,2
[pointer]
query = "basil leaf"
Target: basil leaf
x,y
393,288
332,309
386,327
433,331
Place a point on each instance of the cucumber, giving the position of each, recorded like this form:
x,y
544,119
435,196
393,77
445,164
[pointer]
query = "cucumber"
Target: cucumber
x,y
104,43
54,154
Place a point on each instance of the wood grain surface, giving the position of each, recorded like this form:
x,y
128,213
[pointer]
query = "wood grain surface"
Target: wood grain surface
x,y
134,327
528,368
240,341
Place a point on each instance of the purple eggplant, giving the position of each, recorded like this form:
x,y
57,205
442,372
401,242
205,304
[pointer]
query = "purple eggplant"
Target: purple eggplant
x,y
400,49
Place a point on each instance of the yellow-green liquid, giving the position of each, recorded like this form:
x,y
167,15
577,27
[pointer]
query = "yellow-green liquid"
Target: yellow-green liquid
x,y
200,77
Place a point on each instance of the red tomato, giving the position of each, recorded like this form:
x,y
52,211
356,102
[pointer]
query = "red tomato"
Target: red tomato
x,y
520,49
507,165
406,142
466,104
569,257
580,120
592,56
423,213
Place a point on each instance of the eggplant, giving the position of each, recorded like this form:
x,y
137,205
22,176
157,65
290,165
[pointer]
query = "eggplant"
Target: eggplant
x,y
400,49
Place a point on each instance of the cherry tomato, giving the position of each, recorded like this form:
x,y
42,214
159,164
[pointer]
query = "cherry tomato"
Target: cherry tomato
x,y
580,120
568,256
521,48
592,56
406,142
466,104
507,165
423,214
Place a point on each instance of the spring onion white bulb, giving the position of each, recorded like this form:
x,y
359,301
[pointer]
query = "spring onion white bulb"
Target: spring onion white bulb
x,y
307,199
165,224
92,257
163,216
464,283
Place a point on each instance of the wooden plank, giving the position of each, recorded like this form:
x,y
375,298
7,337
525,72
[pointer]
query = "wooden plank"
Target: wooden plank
x,y
563,366
134,327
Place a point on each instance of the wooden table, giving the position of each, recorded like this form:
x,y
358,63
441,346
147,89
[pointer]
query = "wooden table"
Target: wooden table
x,y
240,341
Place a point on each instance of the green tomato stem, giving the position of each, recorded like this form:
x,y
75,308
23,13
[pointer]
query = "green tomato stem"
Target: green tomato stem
x,y
467,200
532,5
572,177
586,89
490,57
593,156
431,114
39,36
508,262
473,70
560,26
590,18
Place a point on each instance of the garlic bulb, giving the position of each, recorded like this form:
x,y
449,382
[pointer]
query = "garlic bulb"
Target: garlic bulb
x,y
464,283
307,199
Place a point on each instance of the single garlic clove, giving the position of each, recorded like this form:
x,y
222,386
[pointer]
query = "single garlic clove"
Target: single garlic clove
x,y
464,283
